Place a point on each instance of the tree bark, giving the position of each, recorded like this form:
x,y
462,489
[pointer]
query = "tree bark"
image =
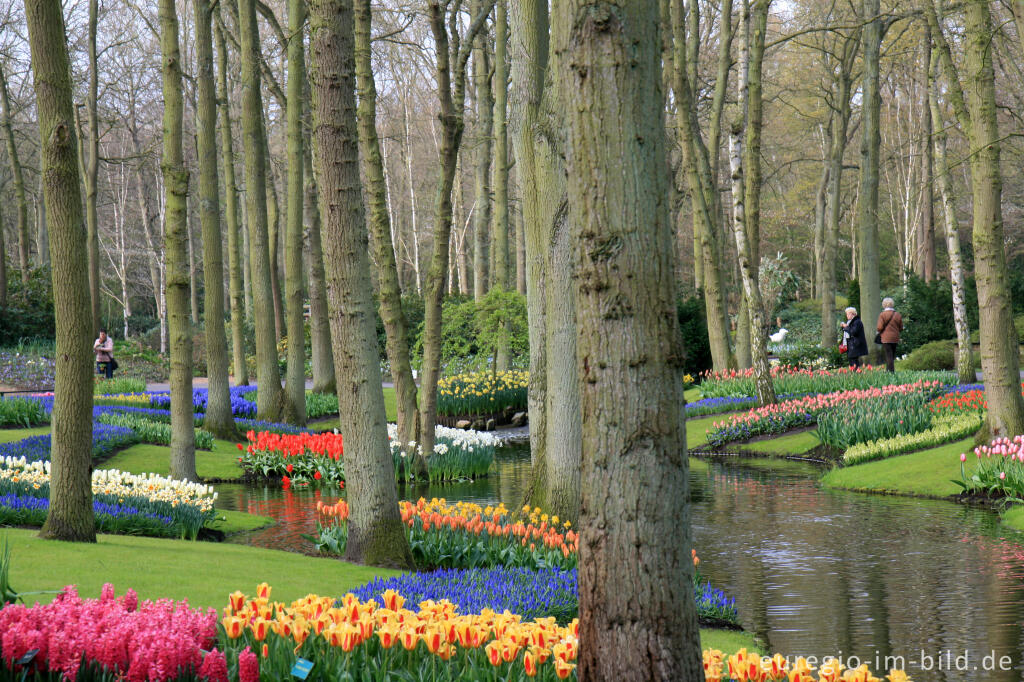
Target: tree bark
x,y
42,238
396,327
295,379
70,516
219,419
926,221
451,88
482,167
92,169
176,178
500,222
319,324
376,535
19,188
274,245
965,361
235,284
634,543
867,233
268,392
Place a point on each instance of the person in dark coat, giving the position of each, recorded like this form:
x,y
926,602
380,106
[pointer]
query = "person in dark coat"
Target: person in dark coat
x,y
854,339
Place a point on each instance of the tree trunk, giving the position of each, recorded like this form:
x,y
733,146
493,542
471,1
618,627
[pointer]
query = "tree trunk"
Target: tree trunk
x,y
274,245
193,263
70,516
235,286
520,252
219,419
319,324
19,187
867,234
926,221
820,211
268,392
92,170
634,446
376,535
295,380
965,361
183,456
1000,364
395,325
482,168
702,179
500,222
451,87
42,238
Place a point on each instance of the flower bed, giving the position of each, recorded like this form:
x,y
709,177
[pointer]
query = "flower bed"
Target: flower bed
x,y
118,638
366,640
151,504
1000,470
899,414
155,432
482,393
23,412
118,385
308,458
466,535
740,383
751,667
105,439
791,414
945,429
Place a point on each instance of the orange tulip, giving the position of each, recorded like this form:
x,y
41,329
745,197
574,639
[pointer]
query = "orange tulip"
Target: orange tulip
x,y
410,638
259,627
446,652
830,671
434,638
493,650
233,626
393,600
563,669
530,664
265,651
237,600
388,635
263,591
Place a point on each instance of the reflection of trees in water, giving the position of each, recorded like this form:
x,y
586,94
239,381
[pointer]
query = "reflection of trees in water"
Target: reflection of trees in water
x,y
822,571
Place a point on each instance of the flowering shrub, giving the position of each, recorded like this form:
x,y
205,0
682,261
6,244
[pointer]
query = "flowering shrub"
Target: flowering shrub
x,y
458,453
133,503
118,637
944,429
790,414
751,667
466,535
787,379
1000,470
354,639
482,393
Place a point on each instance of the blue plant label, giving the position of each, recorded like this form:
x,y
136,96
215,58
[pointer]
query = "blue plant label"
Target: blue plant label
x,y
302,668
27,658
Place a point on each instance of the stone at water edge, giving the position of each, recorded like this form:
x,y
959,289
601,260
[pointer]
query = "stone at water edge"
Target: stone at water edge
x,y
519,419
491,424
462,424
478,425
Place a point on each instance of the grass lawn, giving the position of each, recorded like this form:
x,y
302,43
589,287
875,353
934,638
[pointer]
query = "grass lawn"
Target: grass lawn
x,y
927,473
202,572
390,407
1014,517
11,435
696,429
221,462
794,444
691,394
728,641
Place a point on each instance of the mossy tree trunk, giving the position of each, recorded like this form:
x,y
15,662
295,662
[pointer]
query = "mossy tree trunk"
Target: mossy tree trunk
x,y
183,455
976,114
70,516
19,190
268,375
376,535
235,287
395,325
634,541
452,55
219,419
295,379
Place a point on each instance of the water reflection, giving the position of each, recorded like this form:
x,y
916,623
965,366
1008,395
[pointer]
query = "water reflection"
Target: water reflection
x,y
814,572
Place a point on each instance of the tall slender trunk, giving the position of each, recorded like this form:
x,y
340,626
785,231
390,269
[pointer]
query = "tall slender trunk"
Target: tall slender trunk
x,y
396,326
500,223
176,178
482,167
235,283
867,234
268,393
926,220
633,436
451,88
274,244
219,419
412,200
965,360
92,169
193,265
376,535
70,516
820,211
19,187
701,176
295,380
319,324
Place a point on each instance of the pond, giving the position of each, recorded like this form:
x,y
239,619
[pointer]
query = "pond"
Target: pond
x,y
814,571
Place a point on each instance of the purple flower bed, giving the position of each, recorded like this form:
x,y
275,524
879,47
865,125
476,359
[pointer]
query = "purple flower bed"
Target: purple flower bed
x,y
105,439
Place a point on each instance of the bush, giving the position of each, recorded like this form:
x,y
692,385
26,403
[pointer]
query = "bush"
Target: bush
x,y
813,357
927,311
935,355
693,327
469,331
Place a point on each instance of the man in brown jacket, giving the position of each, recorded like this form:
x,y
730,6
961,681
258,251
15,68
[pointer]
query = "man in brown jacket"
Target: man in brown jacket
x,y
890,324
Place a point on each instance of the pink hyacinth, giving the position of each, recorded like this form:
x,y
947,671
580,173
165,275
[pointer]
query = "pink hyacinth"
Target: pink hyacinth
x,y
248,666
215,667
